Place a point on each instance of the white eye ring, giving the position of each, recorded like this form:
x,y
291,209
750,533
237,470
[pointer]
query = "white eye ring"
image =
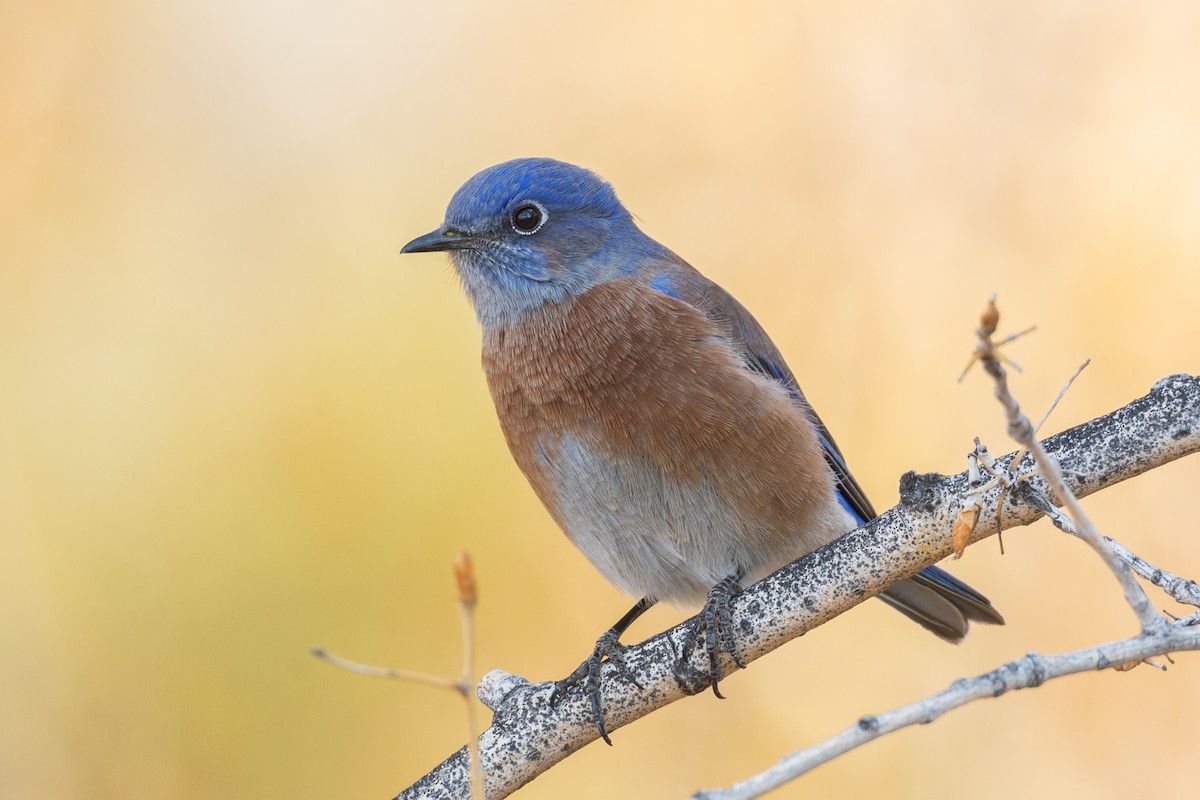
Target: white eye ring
x,y
528,217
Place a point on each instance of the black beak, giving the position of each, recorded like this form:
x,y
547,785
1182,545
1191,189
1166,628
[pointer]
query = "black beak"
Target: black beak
x,y
446,237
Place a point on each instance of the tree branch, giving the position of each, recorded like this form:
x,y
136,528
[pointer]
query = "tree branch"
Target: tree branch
x,y
527,736
1157,637
1181,590
1023,432
1025,673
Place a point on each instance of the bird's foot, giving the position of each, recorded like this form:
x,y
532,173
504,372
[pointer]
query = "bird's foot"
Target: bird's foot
x,y
714,630
587,675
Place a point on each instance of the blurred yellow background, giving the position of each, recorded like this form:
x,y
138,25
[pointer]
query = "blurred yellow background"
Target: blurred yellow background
x,y
234,423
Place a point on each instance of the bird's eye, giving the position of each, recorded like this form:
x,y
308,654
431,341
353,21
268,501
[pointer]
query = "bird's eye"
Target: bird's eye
x,y
528,218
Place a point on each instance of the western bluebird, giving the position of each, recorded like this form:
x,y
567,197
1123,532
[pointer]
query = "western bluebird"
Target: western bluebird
x,y
651,413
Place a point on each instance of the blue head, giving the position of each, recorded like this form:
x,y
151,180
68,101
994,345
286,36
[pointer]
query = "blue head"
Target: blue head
x,y
534,231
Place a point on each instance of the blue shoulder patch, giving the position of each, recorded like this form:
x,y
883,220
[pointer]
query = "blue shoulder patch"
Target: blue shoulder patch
x,y
663,285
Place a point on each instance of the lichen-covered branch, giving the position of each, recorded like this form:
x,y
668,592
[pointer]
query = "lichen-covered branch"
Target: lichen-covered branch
x,y
1158,636
527,736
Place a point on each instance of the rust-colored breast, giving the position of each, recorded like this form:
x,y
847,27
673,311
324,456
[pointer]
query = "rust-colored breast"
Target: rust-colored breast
x,y
633,374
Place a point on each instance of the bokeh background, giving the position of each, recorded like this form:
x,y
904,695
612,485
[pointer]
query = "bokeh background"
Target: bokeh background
x,y
234,423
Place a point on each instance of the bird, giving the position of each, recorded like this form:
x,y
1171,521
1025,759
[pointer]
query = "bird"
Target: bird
x,y
652,415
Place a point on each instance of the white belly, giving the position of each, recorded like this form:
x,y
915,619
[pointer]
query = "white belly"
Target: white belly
x,y
657,537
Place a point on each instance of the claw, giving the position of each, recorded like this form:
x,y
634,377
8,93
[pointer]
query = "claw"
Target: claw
x,y
714,629
608,648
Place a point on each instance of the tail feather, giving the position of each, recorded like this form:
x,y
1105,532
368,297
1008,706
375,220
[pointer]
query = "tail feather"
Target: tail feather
x,y
941,603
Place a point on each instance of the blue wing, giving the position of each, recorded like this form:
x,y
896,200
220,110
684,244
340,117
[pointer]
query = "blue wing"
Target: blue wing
x,y
933,597
681,281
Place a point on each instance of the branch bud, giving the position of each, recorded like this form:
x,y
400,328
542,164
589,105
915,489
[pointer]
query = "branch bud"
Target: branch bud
x,y
464,579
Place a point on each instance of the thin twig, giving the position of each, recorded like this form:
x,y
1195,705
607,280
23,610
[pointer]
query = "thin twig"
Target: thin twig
x,y
373,671
468,595
975,356
1181,590
1012,477
1058,397
1022,430
1029,672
